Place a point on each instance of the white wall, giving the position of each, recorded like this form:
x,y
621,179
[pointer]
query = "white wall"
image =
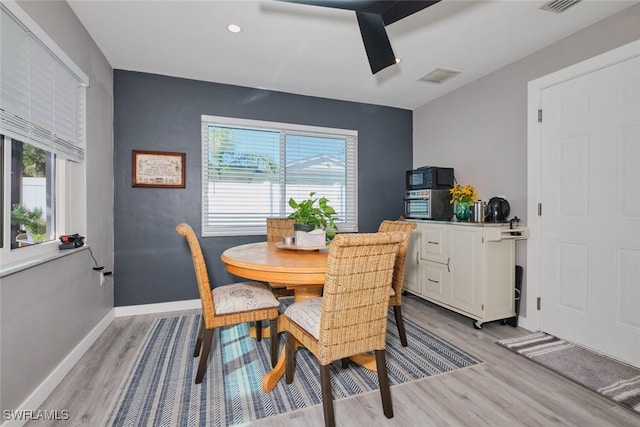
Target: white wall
x,y
48,310
481,128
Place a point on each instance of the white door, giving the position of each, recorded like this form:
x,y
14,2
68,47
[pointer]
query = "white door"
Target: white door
x,y
590,222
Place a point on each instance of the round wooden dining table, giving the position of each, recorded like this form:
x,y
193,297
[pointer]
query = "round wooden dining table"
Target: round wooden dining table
x,y
302,271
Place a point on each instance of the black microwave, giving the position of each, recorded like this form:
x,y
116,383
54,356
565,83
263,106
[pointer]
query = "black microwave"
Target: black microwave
x,y
429,177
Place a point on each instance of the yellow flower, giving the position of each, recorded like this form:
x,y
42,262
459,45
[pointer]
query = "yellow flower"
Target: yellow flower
x,y
463,194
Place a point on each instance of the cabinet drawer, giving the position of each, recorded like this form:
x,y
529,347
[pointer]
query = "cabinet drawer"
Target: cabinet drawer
x,y
435,281
433,243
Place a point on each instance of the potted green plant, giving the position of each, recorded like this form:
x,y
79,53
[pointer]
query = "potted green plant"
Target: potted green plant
x,y
32,220
313,213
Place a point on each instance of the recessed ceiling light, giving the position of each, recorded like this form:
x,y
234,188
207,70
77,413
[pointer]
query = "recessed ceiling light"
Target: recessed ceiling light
x,y
398,60
234,28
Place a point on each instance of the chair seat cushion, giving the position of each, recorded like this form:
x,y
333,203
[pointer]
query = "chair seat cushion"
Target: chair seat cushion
x,y
306,314
242,296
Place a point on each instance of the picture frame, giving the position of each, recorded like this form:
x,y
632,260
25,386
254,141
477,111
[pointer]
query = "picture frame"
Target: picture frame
x,y
158,169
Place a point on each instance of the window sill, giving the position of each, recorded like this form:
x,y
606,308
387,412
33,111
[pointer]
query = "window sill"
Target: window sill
x,y
7,270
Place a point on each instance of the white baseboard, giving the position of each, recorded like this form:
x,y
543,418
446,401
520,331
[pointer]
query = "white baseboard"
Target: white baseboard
x,y
523,323
40,394
163,307
36,399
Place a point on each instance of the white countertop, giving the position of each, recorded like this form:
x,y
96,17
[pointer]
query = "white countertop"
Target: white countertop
x,y
466,223
495,231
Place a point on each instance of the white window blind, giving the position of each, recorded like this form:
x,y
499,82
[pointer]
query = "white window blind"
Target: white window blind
x,y
41,100
252,168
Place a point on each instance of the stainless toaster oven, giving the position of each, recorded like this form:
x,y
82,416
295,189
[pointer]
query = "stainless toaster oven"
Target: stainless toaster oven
x,y
428,204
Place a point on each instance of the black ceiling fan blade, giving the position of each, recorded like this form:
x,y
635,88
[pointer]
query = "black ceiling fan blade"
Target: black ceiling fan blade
x,y
376,42
391,11
372,18
357,5
401,9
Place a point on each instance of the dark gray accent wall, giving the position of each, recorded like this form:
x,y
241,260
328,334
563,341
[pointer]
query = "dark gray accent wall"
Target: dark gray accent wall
x,y
153,112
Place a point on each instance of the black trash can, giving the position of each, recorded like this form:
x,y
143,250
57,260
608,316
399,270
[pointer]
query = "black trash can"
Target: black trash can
x,y
513,321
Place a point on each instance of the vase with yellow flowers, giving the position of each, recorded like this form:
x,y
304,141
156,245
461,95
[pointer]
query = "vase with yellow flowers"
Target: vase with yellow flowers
x,y
463,197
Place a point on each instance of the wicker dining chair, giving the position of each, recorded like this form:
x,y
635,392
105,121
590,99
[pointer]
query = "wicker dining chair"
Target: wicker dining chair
x,y
277,228
395,296
351,316
227,305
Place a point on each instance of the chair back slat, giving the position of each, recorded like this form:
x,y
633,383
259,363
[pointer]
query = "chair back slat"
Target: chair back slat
x,y
277,228
405,227
356,294
202,275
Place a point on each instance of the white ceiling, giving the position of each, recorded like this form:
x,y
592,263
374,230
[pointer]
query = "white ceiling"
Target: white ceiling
x,y
318,51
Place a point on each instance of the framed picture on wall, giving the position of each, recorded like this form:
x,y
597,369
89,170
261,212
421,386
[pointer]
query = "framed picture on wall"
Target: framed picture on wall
x,y
160,169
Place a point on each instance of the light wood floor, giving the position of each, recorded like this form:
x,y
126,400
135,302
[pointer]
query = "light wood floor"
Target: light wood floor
x,y
505,390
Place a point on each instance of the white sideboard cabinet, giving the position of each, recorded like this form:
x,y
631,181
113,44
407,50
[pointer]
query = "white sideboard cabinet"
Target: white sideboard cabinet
x,y
466,267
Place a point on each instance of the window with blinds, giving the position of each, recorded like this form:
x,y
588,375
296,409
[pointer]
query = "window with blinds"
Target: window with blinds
x,y
252,168
41,99
42,115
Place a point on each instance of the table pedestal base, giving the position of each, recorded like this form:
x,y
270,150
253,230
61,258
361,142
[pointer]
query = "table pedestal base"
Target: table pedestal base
x,y
271,378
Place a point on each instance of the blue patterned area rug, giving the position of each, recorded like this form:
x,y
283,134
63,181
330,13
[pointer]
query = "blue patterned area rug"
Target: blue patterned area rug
x,y
614,380
160,389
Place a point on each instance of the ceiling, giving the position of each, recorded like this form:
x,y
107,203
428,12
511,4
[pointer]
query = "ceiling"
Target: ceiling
x,y
318,51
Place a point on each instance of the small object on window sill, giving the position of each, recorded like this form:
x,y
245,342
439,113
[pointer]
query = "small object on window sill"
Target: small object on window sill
x,y
71,241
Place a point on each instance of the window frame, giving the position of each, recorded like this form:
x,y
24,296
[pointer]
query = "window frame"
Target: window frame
x,y
12,257
70,169
351,184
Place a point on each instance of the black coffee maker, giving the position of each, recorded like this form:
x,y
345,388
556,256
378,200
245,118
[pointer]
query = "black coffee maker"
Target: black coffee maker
x,y
497,210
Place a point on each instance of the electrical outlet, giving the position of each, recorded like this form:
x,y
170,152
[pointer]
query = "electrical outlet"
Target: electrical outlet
x,y
101,278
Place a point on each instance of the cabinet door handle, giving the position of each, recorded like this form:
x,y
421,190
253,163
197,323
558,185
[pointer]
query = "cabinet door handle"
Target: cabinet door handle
x,y
448,267
434,281
431,242
417,258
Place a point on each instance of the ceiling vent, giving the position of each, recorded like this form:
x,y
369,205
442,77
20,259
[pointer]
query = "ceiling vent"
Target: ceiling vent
x,y
559,6
439,75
